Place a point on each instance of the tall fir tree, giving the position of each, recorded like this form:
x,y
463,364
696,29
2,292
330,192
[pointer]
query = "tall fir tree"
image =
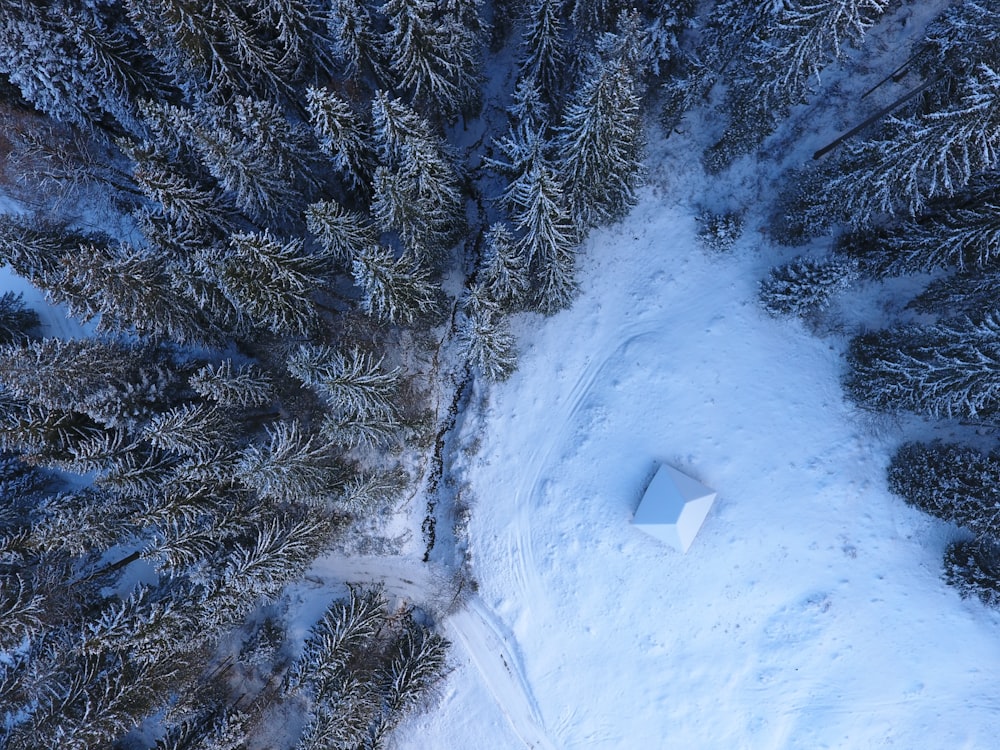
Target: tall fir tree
x,y
956,483
600,145
272,282
433,53
942,370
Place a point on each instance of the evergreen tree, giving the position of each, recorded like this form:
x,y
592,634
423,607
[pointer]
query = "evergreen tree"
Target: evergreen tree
x,y
487,339
542,45
956,483
355,39
395,289
354,383
959,294
254,153
942,370
126,289
270,281
594,15
44,63
246,386
35,249
190,429
803,37
21,610
291,466
341,233
504,269
342,136
600,145
416,188
111,383
964,236
805,285
182,203
433,53
534,197
417,662
973,567
923,156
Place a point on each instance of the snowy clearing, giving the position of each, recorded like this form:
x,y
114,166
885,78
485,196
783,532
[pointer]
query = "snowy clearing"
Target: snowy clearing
x,y
809,612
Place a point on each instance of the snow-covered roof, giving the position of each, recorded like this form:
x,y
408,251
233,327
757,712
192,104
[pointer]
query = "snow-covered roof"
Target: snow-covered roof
x,y
674,507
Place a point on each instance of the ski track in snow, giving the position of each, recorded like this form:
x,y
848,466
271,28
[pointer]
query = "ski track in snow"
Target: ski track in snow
x,y
526,498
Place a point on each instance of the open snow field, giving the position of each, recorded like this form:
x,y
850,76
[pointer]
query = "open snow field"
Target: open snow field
x,y
809,612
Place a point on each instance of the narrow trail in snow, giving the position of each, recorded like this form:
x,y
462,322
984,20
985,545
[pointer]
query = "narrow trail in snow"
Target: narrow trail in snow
x,y
520,545
473,627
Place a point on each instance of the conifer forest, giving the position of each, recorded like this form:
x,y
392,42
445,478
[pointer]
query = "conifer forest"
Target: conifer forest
x,y
295,231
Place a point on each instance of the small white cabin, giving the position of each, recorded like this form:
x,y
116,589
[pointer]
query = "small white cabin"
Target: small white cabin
x,y
673,508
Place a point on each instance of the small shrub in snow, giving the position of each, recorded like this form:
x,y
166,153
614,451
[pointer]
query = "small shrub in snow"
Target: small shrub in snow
x,y
805,285
719,231
973,567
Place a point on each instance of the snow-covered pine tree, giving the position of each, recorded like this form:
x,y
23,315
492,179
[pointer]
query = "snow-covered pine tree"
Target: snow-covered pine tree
x,y
661,45
356,40
217,728
43,436
245,386
956,483
85,701
190,429
433,53
270,281
120,71
943,370
802,38
542,44
256,155
922,156
342,136
341,233
291,466
487,339
504,269
418,661
600,144
805,285
34,248
21,610
973,567
18,322
181,202
111,382
959,294
259,566
394,289
527,110
537,206
127,289
343,702
416,189
354,383
594,16
186,42
79,523
965,236
38,57
348,626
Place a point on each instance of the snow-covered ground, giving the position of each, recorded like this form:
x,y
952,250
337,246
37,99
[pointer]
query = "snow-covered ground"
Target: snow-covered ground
x,y
809,613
